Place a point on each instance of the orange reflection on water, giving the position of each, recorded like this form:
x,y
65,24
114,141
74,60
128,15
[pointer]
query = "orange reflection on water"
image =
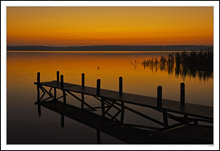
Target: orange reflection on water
x,y
22,68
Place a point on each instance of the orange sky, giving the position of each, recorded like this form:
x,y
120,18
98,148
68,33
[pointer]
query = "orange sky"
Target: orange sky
x,y
66,26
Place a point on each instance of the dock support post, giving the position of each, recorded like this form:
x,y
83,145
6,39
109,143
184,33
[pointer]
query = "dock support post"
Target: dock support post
x,y
55,92
38,87
62,87
122,102
165,119
61,81
182,93
38,78
98,87
58,76
82,95
159,96
83,80
120,85
102,100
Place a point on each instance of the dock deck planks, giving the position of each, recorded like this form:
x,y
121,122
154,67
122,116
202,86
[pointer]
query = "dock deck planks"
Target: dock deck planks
x,y
199,111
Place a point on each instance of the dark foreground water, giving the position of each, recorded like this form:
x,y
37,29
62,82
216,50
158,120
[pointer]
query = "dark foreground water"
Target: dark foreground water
x,y
24,125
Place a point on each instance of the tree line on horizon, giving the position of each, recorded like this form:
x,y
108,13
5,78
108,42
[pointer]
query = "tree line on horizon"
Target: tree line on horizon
x,y
111,48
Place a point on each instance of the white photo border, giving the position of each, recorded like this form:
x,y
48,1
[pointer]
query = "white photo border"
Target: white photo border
x,y
5,4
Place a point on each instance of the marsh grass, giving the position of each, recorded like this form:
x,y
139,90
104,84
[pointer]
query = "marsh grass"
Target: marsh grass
x,y
184,64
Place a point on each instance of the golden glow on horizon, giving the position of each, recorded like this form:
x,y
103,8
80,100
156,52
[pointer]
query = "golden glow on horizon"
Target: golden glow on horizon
x,y
65,26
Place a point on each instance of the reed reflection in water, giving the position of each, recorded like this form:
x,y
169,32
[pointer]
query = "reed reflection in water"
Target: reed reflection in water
x,y
192,64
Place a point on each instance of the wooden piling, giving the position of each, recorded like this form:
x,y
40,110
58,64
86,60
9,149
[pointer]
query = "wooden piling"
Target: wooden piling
x,y
120,85
62,87
61,81
83,80
82,95
58,76
38,87
182,93
98,87
159,96
38,78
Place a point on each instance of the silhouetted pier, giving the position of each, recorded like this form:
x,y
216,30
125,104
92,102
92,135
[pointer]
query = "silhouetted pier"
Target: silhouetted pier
x,y
189,114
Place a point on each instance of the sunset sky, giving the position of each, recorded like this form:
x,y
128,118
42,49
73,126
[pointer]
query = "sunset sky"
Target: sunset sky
x,y
74,26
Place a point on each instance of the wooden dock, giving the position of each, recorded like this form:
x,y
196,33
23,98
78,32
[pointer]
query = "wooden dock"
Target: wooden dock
x,y
188,113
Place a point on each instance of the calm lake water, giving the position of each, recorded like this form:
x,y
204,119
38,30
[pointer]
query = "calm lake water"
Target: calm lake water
x,y
24,125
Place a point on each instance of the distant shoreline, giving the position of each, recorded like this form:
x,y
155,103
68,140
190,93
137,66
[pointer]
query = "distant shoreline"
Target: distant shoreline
x,y
112,48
